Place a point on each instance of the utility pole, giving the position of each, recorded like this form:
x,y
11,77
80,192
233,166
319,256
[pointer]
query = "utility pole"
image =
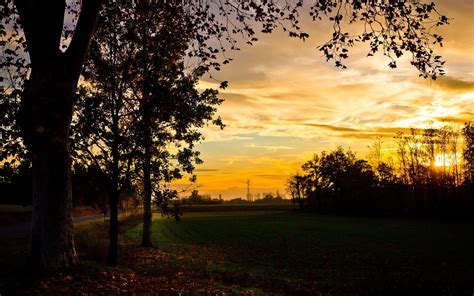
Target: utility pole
x,y
249,196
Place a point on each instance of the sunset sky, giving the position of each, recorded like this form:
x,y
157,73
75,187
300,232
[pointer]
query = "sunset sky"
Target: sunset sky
x,y
284,103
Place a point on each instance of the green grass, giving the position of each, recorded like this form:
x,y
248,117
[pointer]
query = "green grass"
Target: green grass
x,y
14,209
327,252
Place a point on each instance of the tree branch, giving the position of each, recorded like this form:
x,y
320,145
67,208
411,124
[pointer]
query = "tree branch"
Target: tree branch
x,y
83,33
42,23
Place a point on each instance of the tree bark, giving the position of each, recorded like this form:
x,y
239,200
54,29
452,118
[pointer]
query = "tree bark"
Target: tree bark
x,y
45,117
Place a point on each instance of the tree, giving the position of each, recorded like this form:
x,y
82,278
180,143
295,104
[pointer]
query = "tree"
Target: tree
x,y
45,116
335,179
314,180
142,103
468,152
47,102
171,108
426,180
295,186
104,117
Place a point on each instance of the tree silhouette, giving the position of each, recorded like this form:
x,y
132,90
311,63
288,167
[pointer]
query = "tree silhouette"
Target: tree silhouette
x,y
142,102
104,116
296,185
47,101
171,108
422,181
468,156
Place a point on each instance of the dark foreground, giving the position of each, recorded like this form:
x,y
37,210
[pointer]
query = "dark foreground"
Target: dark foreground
x,y
261,253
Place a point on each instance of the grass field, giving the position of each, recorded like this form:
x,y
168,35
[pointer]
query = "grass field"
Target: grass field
x,y
14,209
317,253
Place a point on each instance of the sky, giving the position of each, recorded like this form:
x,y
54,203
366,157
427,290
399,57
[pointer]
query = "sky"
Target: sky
x,y
285,102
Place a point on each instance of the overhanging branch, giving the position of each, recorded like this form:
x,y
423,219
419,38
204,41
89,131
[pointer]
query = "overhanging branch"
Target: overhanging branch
x,y
82,35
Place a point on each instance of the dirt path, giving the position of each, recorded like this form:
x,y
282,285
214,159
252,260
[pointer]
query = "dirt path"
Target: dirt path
x,y
23,230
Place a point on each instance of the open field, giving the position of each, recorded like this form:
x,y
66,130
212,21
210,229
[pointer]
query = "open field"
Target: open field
x,y
259,252
322,253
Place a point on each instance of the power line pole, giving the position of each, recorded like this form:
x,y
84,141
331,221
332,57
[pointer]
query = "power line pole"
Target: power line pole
x,y
249,196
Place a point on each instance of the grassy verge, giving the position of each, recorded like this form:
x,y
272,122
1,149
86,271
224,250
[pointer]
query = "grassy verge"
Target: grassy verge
x,y
141,271
14,209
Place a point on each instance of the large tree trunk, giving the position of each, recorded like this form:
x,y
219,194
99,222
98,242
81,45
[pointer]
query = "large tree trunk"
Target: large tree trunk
x,y
45,118
147,213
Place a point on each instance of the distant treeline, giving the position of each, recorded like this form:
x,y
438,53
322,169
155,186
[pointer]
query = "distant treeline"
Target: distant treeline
x,y
198,199
429,172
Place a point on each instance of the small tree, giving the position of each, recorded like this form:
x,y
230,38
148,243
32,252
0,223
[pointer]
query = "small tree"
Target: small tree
x,y
468,153
296,186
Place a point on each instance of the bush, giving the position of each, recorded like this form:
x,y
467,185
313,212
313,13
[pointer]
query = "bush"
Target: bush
x,y
92,241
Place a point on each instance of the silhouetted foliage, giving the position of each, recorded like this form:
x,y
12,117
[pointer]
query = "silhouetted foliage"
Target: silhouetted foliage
x,y
90,187
142,111
426,179
16,184
336,179
468,153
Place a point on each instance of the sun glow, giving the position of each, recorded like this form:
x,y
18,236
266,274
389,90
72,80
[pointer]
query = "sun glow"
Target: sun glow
x,y
446,160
